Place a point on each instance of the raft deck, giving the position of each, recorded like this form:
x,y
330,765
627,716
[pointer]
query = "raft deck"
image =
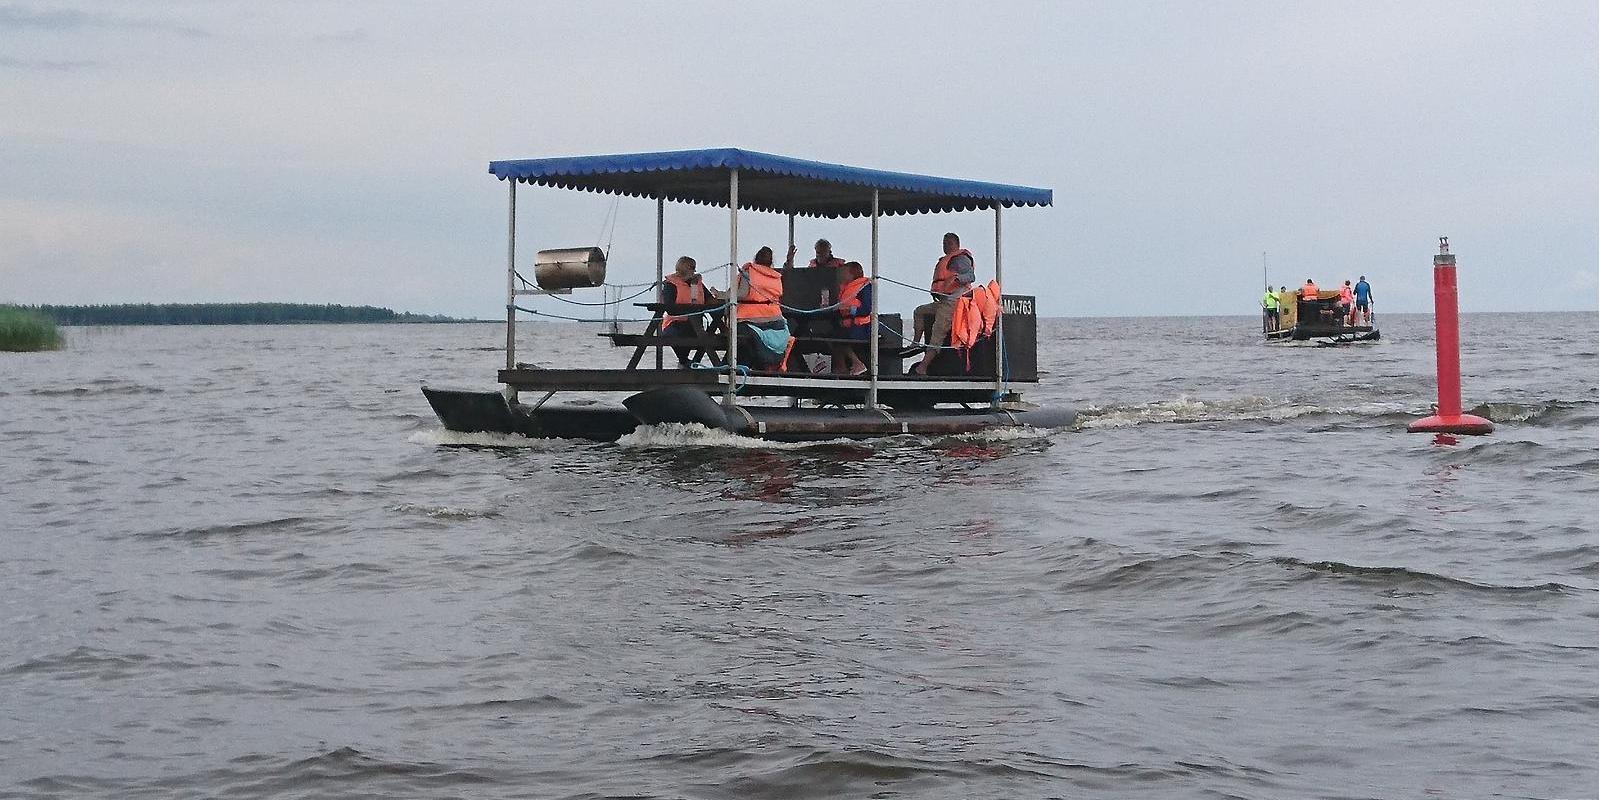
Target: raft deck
x,y
1309,332
850,389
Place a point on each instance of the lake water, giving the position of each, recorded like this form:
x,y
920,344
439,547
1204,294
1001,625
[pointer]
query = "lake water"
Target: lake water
x,y
246,562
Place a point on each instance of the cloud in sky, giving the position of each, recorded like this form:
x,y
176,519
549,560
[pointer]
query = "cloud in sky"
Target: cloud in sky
x,y
7,62
240,151
77,19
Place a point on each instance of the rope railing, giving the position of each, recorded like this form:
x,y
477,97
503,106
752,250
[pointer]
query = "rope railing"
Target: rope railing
x,y
538,313
921,289
809,311
617,301
653,283
647,286
903,338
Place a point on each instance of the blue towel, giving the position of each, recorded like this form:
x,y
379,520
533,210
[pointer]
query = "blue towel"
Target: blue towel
x,y
774,341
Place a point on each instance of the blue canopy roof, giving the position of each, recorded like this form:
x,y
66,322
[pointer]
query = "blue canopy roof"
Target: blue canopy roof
x,y
766,183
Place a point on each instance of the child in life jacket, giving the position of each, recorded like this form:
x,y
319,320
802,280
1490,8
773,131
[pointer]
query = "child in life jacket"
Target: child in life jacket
x,y
855,321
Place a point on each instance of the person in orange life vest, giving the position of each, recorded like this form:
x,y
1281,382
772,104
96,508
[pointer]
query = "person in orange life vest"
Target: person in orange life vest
x,y
953,276
1306,310
684,287
1347,303
763,332
825,256
855,320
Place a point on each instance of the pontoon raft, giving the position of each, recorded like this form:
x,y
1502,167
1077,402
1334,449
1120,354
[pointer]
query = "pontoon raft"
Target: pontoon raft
x,y
964,392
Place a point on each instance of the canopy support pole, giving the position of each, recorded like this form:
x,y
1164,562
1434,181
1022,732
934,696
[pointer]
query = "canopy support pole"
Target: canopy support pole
x,y
732,307
661,216
794,402
511,288
872,338
1000,384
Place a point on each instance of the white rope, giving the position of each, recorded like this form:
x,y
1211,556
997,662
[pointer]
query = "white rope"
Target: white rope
x,y
579,319
609,222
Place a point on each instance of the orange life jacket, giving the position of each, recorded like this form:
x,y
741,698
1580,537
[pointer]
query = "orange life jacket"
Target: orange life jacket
x,y
835,261
1347,295
760,303
974,317
1308,292
944,278
988,300
684,293
849,304
966,322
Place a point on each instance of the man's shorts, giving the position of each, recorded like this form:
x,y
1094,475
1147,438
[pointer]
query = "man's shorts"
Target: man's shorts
x,y
941,311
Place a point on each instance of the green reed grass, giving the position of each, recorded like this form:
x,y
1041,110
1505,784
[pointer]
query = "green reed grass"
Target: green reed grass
x,y
22,330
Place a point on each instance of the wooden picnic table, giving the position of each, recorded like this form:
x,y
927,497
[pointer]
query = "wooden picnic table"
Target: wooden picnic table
x,y
706,342
711,341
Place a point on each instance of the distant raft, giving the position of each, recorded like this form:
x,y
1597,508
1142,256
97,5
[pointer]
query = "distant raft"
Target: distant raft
x,y
1322,321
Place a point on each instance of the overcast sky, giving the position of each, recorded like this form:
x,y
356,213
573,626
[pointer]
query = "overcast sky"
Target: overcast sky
x,y
233,151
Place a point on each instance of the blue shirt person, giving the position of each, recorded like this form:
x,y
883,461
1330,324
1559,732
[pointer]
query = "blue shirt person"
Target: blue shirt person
x,y
1363,311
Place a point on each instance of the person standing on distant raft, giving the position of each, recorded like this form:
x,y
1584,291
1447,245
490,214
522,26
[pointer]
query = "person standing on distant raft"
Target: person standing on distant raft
x,y
825,256
1269,311
764,339
1363,301
1347,304
953,276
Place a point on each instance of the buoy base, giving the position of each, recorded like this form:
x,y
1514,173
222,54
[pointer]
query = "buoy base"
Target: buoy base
x,y
1460,423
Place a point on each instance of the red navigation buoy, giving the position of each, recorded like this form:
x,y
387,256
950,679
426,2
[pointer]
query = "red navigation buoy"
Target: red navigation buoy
x,y
1447,338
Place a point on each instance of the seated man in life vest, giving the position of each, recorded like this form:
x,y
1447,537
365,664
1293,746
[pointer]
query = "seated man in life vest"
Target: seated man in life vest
x,y
764,340
855,321
684,287
825,256
953,276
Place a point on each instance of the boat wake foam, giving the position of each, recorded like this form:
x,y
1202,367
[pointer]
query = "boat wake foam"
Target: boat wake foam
x,y
443,437
671,435
1007,433
1188,409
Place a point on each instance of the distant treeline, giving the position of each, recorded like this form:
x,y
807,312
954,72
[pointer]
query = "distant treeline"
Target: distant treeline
x,y
225,314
